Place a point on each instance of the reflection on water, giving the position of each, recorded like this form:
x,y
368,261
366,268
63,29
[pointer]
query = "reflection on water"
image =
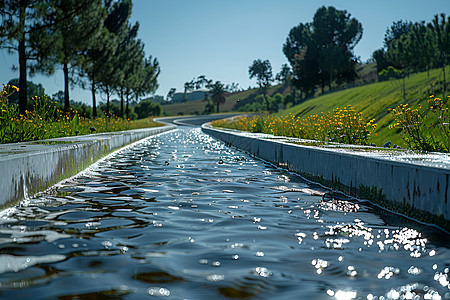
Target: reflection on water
x,y
182,216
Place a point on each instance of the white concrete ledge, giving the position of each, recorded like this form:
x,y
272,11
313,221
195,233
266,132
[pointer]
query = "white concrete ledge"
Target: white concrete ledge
x,y
31,167
421,181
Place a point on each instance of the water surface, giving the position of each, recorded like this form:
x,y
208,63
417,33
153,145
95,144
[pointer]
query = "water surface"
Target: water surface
x,y
181,215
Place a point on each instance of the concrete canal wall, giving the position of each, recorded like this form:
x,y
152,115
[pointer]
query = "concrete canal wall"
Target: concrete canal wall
x,y
420,182
31,167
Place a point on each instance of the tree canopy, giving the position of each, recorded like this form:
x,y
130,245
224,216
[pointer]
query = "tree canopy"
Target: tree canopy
x,y
321,52
412,47
22,30
92,40
262,71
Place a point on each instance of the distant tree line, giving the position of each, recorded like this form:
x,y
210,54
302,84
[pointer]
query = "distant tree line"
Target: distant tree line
x,y
412,47
215,91
92,41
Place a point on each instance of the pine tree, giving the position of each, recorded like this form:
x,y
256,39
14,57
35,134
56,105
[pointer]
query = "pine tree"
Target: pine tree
x,y
78,27
21,22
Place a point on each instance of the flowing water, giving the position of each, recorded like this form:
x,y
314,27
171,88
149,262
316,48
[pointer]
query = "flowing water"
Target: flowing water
x,y
181,215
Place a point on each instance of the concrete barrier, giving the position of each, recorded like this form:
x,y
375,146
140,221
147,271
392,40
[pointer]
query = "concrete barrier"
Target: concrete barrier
x,y
31,167
416,180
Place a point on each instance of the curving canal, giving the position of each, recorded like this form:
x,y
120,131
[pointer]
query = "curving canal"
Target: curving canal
x,y
180,215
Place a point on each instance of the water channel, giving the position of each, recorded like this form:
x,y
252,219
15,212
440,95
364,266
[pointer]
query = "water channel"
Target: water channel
x,y
181,215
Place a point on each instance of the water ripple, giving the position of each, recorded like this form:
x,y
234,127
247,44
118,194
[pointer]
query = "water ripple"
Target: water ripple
x,y
182,215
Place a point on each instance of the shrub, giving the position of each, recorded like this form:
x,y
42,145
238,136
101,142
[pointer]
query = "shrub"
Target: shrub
x,y
426,127
389,73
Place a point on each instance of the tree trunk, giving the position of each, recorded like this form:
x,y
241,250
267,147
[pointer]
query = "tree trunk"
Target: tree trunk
x,y
66,88
121,103
127,98
22,78
22,64
331,80
404,88
94,105
443,68
107,101
267,101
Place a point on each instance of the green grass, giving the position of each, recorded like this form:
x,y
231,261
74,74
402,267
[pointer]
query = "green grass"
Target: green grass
x,y
198,106
374,101
184,108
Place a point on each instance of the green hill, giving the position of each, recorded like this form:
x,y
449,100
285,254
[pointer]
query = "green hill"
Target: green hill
x,y
372,99
375,99
366,72
198,106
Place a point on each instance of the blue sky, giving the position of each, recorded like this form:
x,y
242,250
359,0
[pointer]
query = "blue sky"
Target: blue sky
x,y
221,38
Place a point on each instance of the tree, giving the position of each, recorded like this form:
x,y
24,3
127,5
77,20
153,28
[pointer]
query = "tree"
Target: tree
x,y
335,34
78,24
21,22
396,30
441,30
422,46
130,54
306,71
116,24
262,71
298,39
233,87
32,89
284,75
200,82
399,56
133,59
322,51
336,27
170,94
333,60
58,97
188,86
145,78
380,57
147,108
218,93
98,63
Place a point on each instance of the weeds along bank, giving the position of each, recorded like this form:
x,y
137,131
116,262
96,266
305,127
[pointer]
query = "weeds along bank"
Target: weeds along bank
x,y
342,125
424,127
375,99
45,121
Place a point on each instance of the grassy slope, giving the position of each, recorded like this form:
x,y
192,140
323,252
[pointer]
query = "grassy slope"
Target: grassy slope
x,y
366,73
185,108
374,101
190,107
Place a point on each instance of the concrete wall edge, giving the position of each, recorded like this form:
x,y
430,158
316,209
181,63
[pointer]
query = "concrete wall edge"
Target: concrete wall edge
x,y
24,174
423,188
